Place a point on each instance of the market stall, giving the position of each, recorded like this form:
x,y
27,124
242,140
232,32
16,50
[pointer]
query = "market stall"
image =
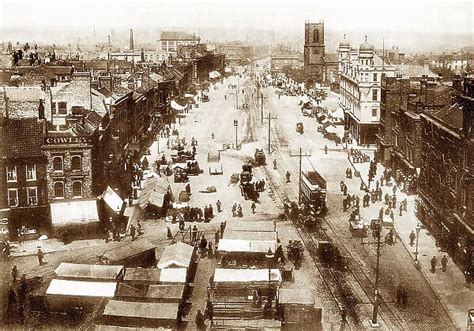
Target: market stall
x,y
139,253
296,309
254,226
92,272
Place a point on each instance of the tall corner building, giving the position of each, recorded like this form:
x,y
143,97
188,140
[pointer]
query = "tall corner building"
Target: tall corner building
x,y
314,51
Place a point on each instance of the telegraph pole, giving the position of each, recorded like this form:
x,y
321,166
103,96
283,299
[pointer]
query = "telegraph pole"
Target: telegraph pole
x,y
261,97
269,118
377,228
300,155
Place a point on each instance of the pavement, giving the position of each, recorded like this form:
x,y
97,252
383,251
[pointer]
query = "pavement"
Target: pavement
x,y
448,286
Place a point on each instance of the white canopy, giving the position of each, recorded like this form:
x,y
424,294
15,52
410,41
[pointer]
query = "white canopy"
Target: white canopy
x,y
246,246
178,255
74,212
173,275
177,106
189,95
88,271
112,199
245,275
81,288
331,129
214,74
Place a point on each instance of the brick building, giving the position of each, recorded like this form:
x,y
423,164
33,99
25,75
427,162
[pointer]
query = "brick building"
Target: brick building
x,y
445,184
399,134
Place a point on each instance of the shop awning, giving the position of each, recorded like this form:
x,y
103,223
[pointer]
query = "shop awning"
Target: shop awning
x,y
81,288
245,275
74,212
89,271
214,74
177,106
113,200
189,95
255,236
331,129
179,255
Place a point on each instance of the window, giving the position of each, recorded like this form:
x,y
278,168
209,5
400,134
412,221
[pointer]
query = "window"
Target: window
x,y
59,190
375,95
76,163
32,196
77,189
31,172
62,108
315,50
316,36
11,174
13,197
375,77
374,112
58,163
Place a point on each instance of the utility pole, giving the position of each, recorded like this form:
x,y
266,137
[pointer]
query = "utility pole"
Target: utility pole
x,y
269,118
300,155
377,228
261,97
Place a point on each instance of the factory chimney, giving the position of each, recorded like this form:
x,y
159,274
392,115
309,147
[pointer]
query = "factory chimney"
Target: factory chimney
x,y
131,40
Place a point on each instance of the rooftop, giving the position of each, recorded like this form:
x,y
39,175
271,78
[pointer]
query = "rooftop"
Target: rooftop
x,y
23,138
177,35
451,115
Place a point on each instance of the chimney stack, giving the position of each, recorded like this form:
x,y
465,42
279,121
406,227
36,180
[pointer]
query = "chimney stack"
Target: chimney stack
x,y
131,40
110,45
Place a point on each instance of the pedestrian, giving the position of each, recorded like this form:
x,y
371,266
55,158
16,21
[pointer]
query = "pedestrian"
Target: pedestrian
x,y
133,231
239,211
211,212
222,228
288,176
188,189
401,209
200,320
274,164
412,238
14,274
209,309
209,250
433,264
344,204
325,149
394,190
194,234
381,213
40,255
357,201
218,205
169,235
253,207
345,189
234,210
404,297
341,186
444,263
392,217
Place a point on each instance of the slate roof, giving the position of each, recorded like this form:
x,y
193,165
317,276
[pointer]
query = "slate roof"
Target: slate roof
x,y
331,58
451,115
412,70
23,138
24,93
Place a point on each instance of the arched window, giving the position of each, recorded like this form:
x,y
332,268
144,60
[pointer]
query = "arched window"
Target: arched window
x,y
58,163
316,36
76,163
59,190
77,189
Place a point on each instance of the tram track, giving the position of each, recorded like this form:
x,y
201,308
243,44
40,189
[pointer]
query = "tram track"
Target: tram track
x,y
335,280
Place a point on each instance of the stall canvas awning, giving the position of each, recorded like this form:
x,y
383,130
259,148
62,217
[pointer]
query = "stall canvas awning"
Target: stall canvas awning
x,y
177,106
89,271
189,95
173,275
245,275
142,310
112,199
168,291
74,212
246,246
254,236
214,74
147,275
81,288
128,250
177,255
338,113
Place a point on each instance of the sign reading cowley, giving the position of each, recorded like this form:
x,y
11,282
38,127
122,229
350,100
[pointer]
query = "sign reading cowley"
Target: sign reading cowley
x,y
65,140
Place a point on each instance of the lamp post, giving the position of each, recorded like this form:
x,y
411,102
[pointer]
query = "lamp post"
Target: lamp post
x,y
236,126
418,228
269,257
377,229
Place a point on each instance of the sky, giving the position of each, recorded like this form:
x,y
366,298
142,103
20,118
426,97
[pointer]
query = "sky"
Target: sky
x,y
356,17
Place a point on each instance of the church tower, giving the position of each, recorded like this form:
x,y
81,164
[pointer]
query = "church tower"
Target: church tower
x,y
314,50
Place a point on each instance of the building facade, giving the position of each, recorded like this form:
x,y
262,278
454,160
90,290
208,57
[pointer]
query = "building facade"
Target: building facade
x,y
171,40
360,75
445,186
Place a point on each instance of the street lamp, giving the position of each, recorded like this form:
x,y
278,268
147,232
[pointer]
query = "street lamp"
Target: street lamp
x,y
236,126
269,257
418,228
